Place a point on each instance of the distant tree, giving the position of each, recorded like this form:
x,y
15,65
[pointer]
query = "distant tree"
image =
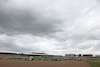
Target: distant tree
x,y
79,55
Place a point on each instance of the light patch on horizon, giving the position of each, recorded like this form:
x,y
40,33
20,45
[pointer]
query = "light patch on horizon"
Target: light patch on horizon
x,y
26,41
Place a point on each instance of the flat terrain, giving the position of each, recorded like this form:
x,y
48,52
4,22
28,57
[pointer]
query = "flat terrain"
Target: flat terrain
x,y
95,63
15,63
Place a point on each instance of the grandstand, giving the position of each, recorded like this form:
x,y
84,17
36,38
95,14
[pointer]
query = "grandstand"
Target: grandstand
x,y
33,55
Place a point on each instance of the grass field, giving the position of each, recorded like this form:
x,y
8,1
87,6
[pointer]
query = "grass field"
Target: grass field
x,y
95,63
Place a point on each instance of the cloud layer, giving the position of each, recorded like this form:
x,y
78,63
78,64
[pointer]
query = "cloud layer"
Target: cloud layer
x,y
52,26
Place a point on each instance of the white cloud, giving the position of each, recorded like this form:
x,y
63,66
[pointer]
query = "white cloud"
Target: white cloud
x,y
26,41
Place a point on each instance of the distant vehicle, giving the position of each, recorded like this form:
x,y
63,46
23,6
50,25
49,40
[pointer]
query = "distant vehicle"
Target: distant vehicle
x,y
79,59
30,59
57,60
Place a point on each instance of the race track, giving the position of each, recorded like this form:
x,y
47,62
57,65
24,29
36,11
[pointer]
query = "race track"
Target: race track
x,y
16,63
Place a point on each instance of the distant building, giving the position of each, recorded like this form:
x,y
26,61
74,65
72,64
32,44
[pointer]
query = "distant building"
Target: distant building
x,y
98,56
87,55
70,55
35,53
32,55
12,55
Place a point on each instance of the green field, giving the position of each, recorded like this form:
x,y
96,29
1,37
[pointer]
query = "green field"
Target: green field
x,y
44,59
95,63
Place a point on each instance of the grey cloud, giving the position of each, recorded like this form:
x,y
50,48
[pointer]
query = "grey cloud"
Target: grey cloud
x,y
24,21
97,46
2,1
12,47
74,21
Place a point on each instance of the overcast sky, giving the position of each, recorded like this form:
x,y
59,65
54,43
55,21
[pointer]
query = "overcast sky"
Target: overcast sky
x,y
50,26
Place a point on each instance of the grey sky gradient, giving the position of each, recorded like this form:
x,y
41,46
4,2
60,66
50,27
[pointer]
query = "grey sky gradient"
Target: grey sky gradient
x,y
52,26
